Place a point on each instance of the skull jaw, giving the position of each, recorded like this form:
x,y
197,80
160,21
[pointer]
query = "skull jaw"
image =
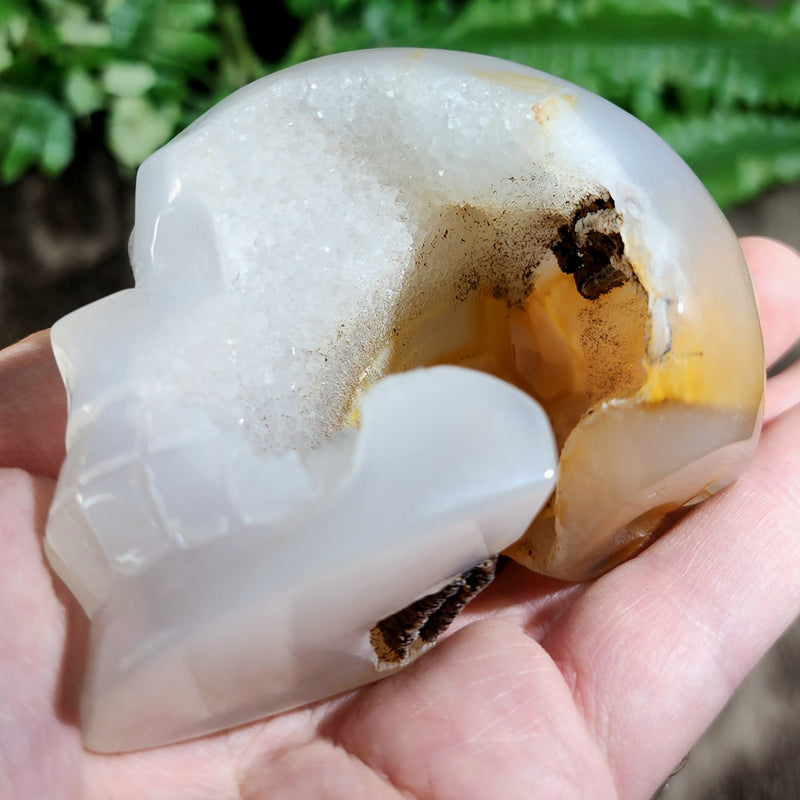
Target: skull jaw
x,y
448,467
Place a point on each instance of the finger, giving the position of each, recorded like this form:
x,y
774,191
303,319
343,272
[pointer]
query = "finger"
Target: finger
x,y
33,408
654,649
776,276
775,268
485,714
32,668
783,391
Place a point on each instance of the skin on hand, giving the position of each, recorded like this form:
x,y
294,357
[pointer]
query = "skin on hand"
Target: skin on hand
x,y
542,689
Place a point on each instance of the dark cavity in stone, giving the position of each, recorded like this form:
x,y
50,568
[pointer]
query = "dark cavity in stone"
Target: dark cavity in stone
x,y
394,638
590,248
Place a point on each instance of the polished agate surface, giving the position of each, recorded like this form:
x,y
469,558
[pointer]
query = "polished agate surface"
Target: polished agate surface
x,y
396,312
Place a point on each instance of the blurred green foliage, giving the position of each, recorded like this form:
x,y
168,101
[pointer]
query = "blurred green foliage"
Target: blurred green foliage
x,y
148,67
719,80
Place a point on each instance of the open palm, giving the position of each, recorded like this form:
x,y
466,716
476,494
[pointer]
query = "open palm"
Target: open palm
x,y
543,689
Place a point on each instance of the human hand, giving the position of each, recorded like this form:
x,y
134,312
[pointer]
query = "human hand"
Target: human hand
x,y
542,689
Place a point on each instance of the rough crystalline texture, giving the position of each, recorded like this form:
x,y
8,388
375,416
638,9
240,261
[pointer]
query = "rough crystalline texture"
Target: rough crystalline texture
x,y
295,447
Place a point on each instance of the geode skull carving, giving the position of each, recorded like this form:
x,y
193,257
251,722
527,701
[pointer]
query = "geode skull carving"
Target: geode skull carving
x,y
383,299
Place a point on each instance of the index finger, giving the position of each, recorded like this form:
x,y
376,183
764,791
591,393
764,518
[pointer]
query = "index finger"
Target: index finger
x,y
33,407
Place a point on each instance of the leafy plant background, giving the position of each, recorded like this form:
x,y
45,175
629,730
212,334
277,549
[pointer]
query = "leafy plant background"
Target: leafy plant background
x,y
717,79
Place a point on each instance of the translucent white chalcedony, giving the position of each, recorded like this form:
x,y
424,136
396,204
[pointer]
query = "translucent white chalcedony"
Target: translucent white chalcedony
x,y
214,605
267,450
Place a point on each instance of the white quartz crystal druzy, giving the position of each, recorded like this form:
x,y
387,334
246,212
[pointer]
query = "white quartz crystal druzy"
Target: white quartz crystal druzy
x,y
354,280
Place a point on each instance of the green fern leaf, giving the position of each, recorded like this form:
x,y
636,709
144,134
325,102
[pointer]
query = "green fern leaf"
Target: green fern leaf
x,y
737,155
664,55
